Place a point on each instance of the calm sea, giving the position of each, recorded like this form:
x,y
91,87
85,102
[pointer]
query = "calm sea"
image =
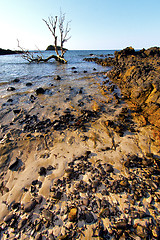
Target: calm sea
x,y
42,75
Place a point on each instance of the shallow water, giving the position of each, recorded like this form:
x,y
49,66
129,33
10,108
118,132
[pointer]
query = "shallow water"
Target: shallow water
x,y
42,74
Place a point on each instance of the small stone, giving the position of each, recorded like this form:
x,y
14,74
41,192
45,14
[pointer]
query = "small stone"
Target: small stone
x,y
11,89
15,164
30,206
86,201
16,206
72,216
39,199
48,215
89,217
32,98
40,91
38,236
42,171
16,111
50,167
28,84
141,231
109,168
9,217
156,232
16,80
57,77
10,100
21,223
57,195
121,225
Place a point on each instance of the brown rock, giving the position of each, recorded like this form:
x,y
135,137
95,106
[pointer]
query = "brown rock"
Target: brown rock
x,y
48,215
9,217
72,216
30,206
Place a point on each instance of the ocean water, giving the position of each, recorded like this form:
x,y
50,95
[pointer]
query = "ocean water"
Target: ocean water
x,y
42,75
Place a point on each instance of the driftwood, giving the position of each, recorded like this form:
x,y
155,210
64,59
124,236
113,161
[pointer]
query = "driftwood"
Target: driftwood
x,y
52,26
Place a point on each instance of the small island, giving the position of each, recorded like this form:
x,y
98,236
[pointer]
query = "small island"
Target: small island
x,y
52,48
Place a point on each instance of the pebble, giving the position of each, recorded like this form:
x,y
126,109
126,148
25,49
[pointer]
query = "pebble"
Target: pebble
x,y
14,165
109,168
22,223
72,216
57,77
9,217
42,171
30,206
40,91
10,89
48,215
28,84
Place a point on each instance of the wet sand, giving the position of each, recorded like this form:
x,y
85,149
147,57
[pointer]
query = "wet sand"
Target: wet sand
x,y
75,165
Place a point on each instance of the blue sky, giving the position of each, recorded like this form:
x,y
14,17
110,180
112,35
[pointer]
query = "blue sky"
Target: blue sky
x,y
95,24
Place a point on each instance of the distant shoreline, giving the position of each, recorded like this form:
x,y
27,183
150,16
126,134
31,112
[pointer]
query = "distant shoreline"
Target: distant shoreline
x,y
8,51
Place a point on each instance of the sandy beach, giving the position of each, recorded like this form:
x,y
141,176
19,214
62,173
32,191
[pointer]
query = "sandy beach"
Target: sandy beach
x,y
76,165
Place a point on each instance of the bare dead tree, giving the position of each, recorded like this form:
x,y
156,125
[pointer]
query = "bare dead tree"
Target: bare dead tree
x,y
52,26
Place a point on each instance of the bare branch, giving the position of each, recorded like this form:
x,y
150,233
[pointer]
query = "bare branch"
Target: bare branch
x,y
63,33
26,54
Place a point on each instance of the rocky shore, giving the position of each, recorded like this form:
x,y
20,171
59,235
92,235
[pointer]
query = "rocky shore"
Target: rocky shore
x,y
137,73
83,162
